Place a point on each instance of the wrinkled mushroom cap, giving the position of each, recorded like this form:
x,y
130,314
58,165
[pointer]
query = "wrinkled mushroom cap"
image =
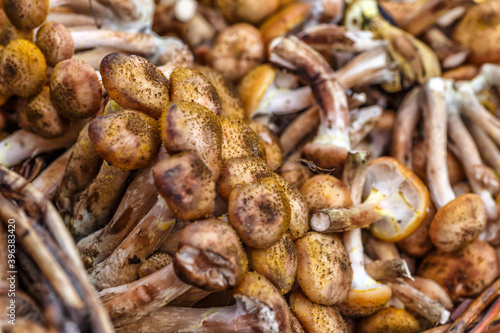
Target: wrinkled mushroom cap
x,y
238,140
285,20
365,302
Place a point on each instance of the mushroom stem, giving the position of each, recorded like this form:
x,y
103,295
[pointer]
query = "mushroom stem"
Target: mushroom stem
x,y
344,219
449,52
388,269
22,144
406,122
304,124
487,148
415,300
475,308
49,180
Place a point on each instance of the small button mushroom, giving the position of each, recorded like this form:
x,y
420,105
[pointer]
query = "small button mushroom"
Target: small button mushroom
x,y
238,140
324,272
392,320
314,317
136,83
43,117
26,14
262,96
23,68
187,185
236,50
239,171
191,127
259,212
247,10
128,139
277,263
217,244
462,273
75,89
189,85
55,42
325,191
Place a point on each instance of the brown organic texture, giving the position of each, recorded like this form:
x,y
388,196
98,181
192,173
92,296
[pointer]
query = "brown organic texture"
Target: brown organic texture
x,y
26,14
273,151
128,139
43,117
247,10
324,271
55,41
136,83
154,263
325,191
187,185
238,140
189,85
259,212
23,68
392,320
75,89
187,126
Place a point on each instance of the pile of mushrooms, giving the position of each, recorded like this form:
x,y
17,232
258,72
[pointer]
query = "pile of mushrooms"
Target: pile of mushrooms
x,y
250,166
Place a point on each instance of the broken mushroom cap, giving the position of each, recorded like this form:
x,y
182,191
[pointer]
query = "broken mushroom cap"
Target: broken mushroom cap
x,y
189,85
187,185
255,286
26,14
23,68
128,139
187,126
324,271
55,42
43,117
325,191
215,244
236,50
278,263
462,273
135,83
315,317
75,89
458,222
247,10
259,212
389,320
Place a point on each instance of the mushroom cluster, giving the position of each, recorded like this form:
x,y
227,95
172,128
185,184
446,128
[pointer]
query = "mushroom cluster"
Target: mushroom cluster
x,y
250,166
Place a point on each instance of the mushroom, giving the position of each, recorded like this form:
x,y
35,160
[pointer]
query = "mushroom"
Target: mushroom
x,y
389,320
325,191
286,19
237,49
387,269
315,317
210,256
259,308
324,272
247,10
55,42
238,140
259,212
274,155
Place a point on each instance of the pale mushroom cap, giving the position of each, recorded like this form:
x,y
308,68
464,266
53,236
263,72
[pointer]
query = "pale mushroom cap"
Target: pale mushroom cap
x,y
274,155
316,318
392,320
325,191
254,85
458,222
285,20
324,271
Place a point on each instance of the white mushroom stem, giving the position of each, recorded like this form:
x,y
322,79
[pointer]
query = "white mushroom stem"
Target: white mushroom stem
x,y
434,108
184,10
278,100
487,148
146,44
22,144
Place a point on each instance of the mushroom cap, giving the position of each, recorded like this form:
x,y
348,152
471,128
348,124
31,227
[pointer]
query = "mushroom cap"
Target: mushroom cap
x,y
236,50
284,20
400,195
187,126
128,139
324,271
247,10
392,320
315,317
23,68
210,256
325,191
432,289
259,212
278,263
462,273
479,30
238,140
419,243
365,302
55,41
274,155
326,155
43,117
239,171
135,83
187,185
254,85
75,89
458,222
26,14
189,85
256,287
